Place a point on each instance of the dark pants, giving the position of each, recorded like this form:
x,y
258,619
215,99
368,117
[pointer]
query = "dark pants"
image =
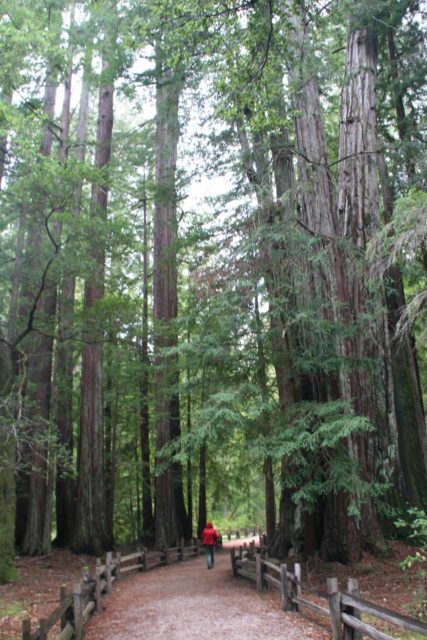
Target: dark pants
x,y
210,555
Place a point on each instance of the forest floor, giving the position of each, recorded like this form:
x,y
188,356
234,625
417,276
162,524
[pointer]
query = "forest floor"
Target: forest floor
x,y
186,600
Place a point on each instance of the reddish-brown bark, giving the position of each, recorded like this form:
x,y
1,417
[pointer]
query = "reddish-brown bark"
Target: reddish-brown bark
x,y
92,532
171,519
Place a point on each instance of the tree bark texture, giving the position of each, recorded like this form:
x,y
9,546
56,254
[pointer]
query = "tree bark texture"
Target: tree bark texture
x,y
92,533
169,502
38,400
325,276
65,489
144,416
369,380
411,477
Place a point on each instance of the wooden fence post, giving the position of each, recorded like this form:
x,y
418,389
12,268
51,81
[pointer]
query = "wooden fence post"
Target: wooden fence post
x,y
229,535
145,558
62,596
98,591
297,571
85,574
240,552
233,561
108,570
182,548
197,547
252,549
334,598
349,633
26,629
258,565
286,603
78,611
293,594
237,534
43,629
166,552
118,561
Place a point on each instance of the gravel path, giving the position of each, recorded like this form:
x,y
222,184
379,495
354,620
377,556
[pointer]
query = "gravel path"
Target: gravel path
x,y
185,601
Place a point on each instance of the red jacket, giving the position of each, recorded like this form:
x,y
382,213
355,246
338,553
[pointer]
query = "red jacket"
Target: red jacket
x,y
209,535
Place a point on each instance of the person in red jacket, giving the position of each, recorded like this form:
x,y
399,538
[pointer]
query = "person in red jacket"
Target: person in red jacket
x,y
209,538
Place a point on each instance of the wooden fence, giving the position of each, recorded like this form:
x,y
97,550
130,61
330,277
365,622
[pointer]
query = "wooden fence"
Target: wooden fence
x,y
75,608
343,609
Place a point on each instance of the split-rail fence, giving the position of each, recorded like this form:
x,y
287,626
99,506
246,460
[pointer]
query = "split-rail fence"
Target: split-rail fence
x,y
75,608
343,609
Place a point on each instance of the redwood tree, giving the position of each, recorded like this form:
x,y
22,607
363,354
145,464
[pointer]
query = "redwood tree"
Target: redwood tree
x,y
171,517
92,533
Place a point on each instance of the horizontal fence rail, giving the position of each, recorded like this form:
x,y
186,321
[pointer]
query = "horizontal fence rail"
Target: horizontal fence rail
x,y
75,608
343,609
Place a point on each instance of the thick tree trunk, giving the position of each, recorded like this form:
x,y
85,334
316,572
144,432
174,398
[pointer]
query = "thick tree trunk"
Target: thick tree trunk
x,y
358,210
65,489
92,533
170,511
341,540
183,523
38,400
144,417
411,482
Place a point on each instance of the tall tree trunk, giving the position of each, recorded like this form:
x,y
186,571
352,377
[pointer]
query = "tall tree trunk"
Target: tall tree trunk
x,y
411,483
39,367
341,540
189,463
170,511
65,489
144,417
202,511
111,417
92,533
7,471
269,492
358,210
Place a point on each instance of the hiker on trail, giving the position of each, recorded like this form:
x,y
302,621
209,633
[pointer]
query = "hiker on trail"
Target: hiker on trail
x,y
209,538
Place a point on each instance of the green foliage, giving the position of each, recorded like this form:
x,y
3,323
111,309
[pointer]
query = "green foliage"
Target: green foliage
x,y
414,521
313,437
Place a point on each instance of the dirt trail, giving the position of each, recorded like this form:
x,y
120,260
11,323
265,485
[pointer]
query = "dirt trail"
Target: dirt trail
x,y
186,601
